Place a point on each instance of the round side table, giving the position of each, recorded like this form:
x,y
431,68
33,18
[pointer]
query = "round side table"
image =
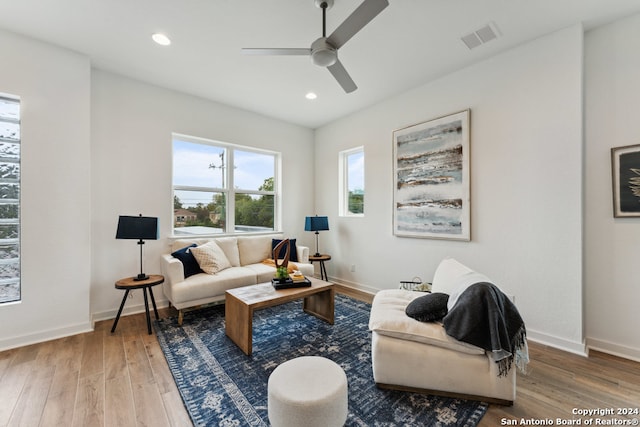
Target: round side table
x,y
321,259
130,284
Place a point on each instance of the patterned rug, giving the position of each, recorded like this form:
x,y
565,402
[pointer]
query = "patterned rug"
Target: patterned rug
x,y
221,386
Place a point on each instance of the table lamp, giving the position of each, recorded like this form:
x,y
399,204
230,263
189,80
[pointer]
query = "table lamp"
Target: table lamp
x,y
138,227
316,223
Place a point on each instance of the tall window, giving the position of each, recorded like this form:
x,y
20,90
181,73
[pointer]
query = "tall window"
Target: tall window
x,y
223,188
352,182
9,199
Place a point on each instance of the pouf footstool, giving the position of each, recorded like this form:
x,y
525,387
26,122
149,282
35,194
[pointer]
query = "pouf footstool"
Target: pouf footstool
x,y
307,391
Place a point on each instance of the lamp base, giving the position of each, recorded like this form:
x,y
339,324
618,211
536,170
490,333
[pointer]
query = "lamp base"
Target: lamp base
x,y
317,254
140,277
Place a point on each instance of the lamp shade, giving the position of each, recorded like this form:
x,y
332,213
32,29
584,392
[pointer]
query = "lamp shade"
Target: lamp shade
x,y
316,223
137,227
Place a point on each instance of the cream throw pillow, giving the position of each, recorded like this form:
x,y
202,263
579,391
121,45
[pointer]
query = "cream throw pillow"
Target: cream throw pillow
x,y
210,258
229,246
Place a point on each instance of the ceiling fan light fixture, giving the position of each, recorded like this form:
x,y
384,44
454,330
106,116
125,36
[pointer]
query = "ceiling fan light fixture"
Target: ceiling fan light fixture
x,y
322,53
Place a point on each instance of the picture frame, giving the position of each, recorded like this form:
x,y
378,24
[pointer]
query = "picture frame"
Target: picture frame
x,y
625,174
431,167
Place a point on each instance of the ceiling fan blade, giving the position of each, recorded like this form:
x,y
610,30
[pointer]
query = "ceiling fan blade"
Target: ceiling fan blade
x,y
338,71
360,17
276,51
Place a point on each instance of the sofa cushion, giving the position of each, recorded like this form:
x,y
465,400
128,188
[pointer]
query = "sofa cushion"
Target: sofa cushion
x,y
203,285
229,246
429,307
189,262
293,250
254,249
211,257
388,318
183,243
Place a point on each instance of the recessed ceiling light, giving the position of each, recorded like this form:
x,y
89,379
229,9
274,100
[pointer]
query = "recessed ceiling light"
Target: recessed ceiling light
x,y
161,39
311,95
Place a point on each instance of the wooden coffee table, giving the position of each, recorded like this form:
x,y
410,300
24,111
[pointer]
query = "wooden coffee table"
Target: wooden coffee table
x,y
240,303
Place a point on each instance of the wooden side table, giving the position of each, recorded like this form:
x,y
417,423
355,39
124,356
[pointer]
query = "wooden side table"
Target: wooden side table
x,y
130,284
321,259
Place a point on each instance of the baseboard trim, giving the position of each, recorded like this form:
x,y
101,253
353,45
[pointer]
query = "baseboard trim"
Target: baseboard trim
x,y
354,285
613,349
42,336
557,342
126,311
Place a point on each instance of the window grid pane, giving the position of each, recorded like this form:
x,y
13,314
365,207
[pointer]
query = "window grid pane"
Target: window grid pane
x,y
240,197
9,200
253,171
254,212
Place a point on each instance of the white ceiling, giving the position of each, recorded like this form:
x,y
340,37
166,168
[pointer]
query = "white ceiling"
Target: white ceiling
x,y
410,43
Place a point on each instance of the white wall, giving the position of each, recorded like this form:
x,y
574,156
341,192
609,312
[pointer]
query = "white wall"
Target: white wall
x,y
80,171
54,87
612,246
526,184
131,131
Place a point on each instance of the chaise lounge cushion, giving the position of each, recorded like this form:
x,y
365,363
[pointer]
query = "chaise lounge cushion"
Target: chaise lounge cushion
x,y
388,318
446,277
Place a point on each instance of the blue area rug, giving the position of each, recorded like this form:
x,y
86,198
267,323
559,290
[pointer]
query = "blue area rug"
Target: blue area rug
x,y
221,386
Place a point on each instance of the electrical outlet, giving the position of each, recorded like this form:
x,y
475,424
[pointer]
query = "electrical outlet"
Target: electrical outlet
x,y
353,268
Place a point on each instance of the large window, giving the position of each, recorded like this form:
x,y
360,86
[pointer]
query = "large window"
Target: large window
x,y
9,199
223,188
351,190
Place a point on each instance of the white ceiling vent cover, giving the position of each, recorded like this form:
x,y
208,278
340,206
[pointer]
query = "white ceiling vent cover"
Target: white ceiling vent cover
x,y
480,36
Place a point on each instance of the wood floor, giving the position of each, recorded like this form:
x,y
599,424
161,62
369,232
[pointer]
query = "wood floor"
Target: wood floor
x,y
122,379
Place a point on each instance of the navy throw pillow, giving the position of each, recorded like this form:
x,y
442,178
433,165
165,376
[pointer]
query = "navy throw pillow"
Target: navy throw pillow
x,y
293,253
189,262
429,307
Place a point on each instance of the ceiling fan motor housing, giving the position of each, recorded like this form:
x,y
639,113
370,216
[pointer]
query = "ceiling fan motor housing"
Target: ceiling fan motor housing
x,y
324,3
322,53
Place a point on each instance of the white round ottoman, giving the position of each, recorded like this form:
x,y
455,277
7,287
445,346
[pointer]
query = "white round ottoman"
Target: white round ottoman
x,y
307,391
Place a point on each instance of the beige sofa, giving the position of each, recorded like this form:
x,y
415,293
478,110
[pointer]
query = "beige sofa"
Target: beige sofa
x,y
245,255
412,355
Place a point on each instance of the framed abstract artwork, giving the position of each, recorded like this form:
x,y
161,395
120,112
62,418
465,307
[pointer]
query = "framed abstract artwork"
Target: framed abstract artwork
x,y
431,197
625,168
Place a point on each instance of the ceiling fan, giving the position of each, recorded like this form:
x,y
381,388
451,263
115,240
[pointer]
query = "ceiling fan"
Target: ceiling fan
x,y
324,51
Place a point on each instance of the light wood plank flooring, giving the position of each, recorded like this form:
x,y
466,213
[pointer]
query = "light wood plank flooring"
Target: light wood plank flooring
x,y
122,379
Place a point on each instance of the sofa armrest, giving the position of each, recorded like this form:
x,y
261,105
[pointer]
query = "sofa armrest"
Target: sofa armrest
x,y
172,269
303,254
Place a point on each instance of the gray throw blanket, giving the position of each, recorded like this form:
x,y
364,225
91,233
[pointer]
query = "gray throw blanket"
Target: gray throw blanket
x,y
485,317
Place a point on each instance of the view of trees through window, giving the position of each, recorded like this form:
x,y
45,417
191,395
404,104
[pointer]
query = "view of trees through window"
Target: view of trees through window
x,y
9,199
352,175
222,188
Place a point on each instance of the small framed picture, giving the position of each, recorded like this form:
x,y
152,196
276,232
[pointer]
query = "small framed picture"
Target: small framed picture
x,y
625,168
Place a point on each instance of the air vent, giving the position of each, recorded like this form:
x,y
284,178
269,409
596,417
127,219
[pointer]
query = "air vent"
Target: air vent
x,y
481,36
